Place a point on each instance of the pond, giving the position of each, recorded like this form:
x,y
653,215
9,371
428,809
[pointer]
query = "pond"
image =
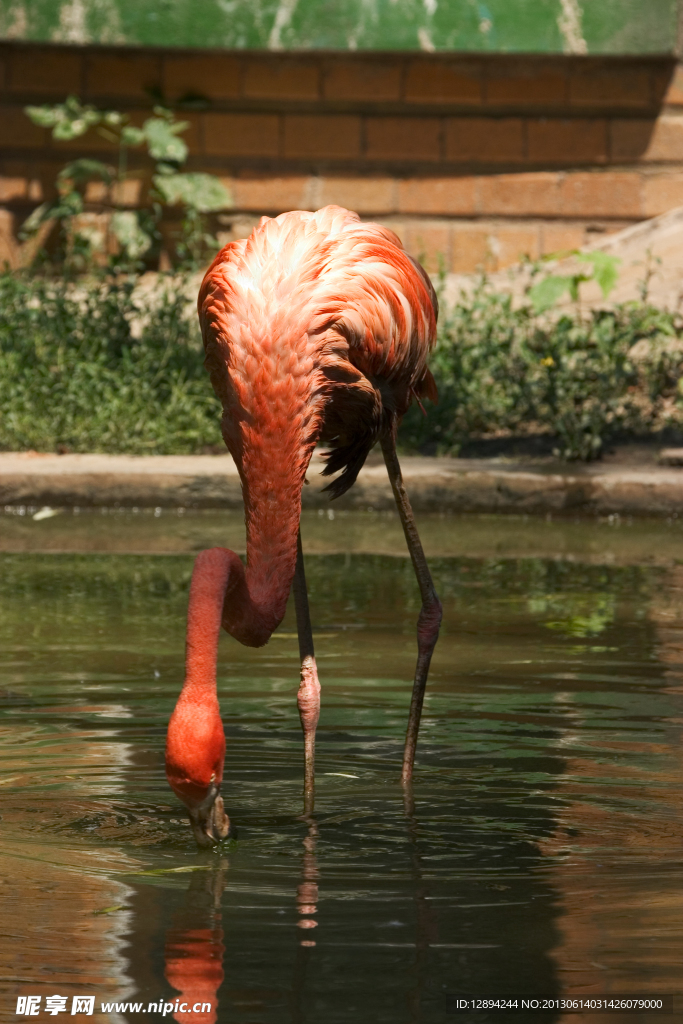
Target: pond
x,y
538,853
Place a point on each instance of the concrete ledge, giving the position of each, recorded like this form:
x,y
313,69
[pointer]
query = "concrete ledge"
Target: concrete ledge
x,y
203,481
434,485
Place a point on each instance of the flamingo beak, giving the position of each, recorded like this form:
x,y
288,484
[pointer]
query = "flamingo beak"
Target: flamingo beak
x,y
210,824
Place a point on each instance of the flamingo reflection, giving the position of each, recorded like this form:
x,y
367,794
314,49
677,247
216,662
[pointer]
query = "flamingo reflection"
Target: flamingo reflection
x,y
307,907
194,949
426,926
307,891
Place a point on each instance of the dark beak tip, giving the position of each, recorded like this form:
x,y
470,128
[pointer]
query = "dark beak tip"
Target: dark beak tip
x,y
211,825
202,838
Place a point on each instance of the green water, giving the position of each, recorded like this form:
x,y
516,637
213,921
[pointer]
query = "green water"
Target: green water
x,y
538,853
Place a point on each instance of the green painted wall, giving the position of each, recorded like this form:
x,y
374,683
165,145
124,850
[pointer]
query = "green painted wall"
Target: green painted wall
x,y
540,26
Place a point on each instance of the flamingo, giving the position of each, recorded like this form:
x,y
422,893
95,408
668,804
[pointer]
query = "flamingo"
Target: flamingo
x,y
316,328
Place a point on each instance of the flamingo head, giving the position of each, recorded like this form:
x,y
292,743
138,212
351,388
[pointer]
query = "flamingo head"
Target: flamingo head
x,y
195,749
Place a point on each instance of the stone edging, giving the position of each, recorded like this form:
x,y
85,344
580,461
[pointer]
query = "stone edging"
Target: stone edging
x,y
434,485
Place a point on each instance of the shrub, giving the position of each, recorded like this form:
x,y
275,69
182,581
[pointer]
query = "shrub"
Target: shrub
x,y
102,367
504,368
114,364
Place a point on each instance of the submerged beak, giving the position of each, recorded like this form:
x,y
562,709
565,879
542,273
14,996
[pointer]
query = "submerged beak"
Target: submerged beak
x,y
210,824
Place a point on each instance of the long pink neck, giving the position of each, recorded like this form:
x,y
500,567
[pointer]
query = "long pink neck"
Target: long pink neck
x,y
220,595
212,571
249,603
272,454
272,444
195,745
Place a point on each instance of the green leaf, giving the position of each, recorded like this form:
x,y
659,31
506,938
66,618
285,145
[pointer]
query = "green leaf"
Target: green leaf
x,y
84,170
162,139
185,870
90,238
125,227
574,281
46,117
131,136
202,192
546,293
69,205
605,269
35,219
71,129
68,120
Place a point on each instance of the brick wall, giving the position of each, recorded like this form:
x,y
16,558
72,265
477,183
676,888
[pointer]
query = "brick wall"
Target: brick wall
x,y
472,160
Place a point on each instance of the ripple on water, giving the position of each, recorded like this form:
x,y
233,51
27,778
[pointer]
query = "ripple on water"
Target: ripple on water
x,y
542,836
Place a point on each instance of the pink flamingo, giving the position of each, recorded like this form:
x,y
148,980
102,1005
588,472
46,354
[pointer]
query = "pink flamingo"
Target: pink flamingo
x,y
317,328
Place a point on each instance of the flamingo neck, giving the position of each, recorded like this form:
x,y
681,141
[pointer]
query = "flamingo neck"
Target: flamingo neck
x,y
207,592
272,479
195,744
271,559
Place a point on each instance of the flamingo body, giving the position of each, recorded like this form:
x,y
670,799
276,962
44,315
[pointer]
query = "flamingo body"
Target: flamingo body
x,y
317,328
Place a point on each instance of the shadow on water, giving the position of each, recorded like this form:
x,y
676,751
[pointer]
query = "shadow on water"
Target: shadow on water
x,y
539,852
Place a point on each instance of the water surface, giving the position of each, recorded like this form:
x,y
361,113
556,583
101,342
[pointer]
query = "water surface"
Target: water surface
x,y
539,851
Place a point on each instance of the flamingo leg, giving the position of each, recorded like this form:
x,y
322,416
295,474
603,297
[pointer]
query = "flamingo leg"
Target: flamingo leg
x,y
430,614
308,697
